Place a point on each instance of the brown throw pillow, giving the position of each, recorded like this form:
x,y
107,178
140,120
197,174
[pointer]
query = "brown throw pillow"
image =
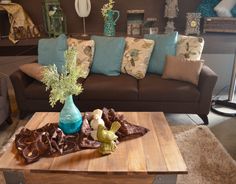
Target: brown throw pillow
x,y
179,68
33,70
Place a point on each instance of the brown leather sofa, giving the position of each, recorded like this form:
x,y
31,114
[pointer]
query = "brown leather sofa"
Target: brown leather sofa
x,y
5,112
124,93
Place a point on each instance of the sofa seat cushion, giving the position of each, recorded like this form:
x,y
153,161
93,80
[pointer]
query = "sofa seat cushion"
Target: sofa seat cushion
x,y
110,88
36,90
154,88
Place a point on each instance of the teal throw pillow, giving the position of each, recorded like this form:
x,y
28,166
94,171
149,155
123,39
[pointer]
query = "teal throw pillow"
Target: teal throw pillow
x,y
165,44
51,51
108,55
233,11
206,8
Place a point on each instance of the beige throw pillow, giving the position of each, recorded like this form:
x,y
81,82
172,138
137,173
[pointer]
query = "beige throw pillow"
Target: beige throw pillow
x,y
182,69
33,70
85,52
136,56
190,47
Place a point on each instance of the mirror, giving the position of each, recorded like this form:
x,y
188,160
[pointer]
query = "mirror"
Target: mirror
x,y
83,7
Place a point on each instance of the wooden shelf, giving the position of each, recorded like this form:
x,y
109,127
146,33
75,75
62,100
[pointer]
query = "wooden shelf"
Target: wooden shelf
x,y
215,43
29,42
219,43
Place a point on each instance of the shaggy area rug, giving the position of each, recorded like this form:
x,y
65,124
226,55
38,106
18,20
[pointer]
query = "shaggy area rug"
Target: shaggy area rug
x,y
206,159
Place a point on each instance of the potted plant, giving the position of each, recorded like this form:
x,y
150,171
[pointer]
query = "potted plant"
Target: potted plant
x,y
62,87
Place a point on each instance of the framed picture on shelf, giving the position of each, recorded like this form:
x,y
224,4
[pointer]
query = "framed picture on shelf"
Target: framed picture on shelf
x,y
54,18
150,26
135,19
193,23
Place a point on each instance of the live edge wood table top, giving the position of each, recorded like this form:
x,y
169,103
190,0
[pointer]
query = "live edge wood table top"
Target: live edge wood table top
x,y
152,158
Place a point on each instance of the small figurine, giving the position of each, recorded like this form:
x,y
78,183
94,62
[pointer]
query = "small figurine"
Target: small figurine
x,y
171,12
107,138
97,120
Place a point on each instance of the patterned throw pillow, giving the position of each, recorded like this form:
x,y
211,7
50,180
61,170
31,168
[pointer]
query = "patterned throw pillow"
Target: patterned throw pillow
x,y
136,56
190,47
85,52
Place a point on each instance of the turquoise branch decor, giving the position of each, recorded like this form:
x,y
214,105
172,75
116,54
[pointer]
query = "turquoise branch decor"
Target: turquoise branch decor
x,y
62,86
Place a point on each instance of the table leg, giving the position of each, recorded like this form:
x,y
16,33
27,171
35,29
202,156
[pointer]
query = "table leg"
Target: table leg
x,y
13,177
165,179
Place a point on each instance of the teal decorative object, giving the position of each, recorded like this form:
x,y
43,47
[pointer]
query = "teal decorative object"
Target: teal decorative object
x,y
62,86
107,138
51,51
233,11
70,120
165,44
206,8
108,55
110,22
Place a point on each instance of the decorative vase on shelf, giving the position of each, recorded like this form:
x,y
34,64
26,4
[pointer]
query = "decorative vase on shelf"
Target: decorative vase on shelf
x,y
110,22
70,120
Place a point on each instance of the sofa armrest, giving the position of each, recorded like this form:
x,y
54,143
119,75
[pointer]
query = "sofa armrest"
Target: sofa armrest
x,y
3,86
206,84
20,81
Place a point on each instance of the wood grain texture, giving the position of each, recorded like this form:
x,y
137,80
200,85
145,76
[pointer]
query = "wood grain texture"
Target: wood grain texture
x,y
2,180
55,178
154,153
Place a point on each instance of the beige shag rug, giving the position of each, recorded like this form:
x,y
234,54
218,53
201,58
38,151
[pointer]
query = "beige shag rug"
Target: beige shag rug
x,y
206,159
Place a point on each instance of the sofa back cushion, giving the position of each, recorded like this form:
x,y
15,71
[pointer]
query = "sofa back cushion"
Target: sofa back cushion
x,y
85,52
51,51
165,44
182,69
108,55
206,8
136,57
190,47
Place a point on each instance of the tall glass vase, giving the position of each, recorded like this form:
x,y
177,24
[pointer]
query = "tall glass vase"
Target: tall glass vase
x,y
110,22
70,120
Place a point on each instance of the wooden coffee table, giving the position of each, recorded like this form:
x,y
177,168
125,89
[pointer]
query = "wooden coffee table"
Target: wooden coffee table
x,y
153,158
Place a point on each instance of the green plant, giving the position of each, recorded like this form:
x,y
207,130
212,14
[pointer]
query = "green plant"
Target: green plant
x,y
63,84
106,7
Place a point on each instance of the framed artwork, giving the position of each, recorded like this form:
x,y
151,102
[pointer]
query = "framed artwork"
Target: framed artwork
x,y
135,19
193,23
54,18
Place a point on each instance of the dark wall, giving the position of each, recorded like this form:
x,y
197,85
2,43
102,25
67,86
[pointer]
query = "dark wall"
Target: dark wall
x,y
94,23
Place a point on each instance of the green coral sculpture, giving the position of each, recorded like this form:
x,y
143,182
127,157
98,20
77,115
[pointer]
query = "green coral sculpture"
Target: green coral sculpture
x,y
65,83
107,138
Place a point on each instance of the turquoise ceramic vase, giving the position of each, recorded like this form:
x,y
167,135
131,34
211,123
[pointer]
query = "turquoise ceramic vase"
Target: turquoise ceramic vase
x,y
110,22
70,120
